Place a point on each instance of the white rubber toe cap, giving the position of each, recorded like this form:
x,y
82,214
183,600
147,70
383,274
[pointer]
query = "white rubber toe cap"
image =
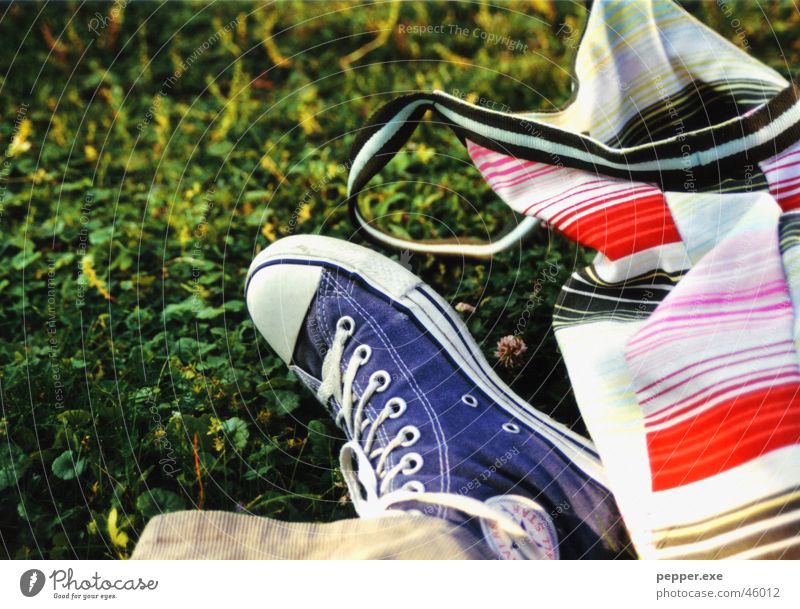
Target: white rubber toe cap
x,y
278,297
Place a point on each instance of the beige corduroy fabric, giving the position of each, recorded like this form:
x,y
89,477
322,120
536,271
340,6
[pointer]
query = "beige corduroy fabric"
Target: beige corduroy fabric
x,y
227,535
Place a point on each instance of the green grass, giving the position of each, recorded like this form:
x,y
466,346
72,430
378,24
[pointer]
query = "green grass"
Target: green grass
x,y
131,204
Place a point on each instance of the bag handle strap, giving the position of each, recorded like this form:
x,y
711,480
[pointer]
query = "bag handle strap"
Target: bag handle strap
x,y
707,154
383,135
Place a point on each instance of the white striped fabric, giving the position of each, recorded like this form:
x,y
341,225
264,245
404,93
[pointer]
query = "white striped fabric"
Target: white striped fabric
x,y
678,160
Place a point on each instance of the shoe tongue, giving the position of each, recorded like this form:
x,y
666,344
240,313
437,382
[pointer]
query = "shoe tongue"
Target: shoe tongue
x,y
310,348
540,541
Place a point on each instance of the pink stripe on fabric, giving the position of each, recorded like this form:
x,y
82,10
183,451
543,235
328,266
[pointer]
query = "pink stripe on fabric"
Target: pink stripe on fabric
x,y
505,161
668,319
687,301
773,165
668,335
526,179
610,200
700,316
525,175
717,297
792,180
542,205
717,357
718,382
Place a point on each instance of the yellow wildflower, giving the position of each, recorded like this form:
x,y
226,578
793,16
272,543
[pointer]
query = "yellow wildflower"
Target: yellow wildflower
x,y
215,426
192,192
19,142
40,176
304,213
268,230
270,46
115,533
545,7
272,167
184,236
424,153
309,122
92,279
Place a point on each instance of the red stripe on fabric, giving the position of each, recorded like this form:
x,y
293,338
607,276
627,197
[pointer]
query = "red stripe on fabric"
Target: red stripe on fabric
x,y
781,188
576,192
626,196
774,166
526,177
788,203
786,183
618,231
721,388
730,434
627,228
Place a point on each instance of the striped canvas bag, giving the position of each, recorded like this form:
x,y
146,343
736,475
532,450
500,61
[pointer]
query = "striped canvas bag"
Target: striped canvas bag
x,y
678,160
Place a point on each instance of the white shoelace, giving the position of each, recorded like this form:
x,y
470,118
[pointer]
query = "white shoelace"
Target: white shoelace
x,y
369,485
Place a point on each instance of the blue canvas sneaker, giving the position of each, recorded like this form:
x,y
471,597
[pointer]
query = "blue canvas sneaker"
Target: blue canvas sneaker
x,y
430,427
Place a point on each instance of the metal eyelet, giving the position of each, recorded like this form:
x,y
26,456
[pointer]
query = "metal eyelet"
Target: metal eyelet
x,y
382,378
511,427
414,486
397,406
469,400
363,352
347,324
410,435
414,463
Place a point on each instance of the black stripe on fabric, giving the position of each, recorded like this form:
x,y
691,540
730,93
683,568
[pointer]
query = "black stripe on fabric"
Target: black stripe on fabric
x,y
789,231
751,180
584,298
578,309
378,162
698,105
669,149
714,527
656,276
717,136
675,148
374,124
387,152
564,321
632,292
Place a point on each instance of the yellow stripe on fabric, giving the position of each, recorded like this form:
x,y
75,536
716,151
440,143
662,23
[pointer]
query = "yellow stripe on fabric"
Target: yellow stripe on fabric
x,y
738,515
625,282
596,64
641,87
718,541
